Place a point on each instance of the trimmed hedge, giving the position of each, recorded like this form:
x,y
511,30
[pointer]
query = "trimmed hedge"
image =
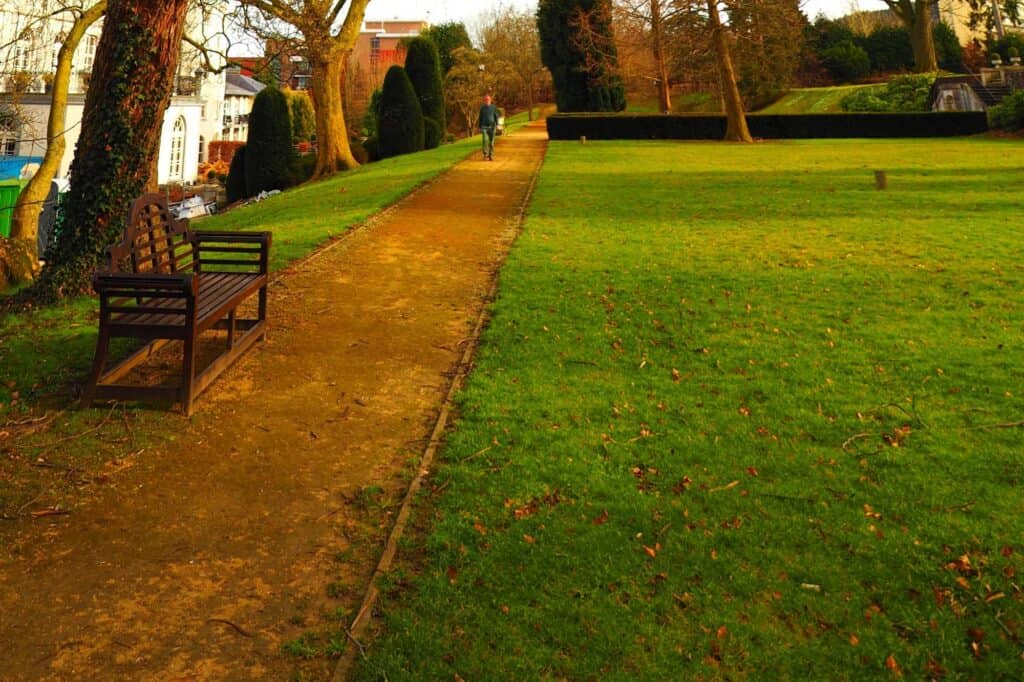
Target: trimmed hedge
x,y
775,126
235,184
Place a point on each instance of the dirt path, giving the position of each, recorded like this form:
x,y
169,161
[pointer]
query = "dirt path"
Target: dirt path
x,y
265,520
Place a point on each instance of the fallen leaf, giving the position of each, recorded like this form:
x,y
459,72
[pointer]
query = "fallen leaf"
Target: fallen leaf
x,y
723,632
752,471
676,376
650,551
453,573
601,518
529,539
891,664
854,640
480,528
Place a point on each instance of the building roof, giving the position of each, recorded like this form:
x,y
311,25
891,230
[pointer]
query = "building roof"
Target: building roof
x,y
237,85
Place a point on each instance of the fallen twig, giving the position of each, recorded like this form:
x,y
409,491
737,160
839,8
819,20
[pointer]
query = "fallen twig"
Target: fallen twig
x,y
1005,425
50,512
76,436
724,487
236,628
854,437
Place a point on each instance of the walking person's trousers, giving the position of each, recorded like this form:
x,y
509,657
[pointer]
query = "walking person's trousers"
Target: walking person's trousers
x,y
487,135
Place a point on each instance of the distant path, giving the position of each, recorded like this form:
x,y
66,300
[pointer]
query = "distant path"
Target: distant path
x,y
207,556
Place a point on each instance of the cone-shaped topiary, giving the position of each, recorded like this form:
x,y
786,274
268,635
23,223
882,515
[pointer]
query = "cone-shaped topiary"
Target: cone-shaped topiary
x,y
432,134
235,184
269,147
401,118
424,68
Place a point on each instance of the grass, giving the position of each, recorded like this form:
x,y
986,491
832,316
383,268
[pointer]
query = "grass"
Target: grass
x,y
814,100
737,415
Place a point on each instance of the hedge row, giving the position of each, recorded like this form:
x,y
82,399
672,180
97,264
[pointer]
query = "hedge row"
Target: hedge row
x,y
776,126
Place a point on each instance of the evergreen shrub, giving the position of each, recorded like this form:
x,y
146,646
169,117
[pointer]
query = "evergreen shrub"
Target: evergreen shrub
x,y
423,66
431,134
269,147
401,118
846,62
235,183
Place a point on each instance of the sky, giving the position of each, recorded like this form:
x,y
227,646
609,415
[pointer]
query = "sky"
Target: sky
x,y
439,11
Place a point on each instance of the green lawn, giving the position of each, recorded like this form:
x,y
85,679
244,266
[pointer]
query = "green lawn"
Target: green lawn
x,y
738,415
813,100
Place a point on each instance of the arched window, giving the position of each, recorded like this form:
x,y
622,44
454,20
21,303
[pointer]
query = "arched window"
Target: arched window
x,y
177,149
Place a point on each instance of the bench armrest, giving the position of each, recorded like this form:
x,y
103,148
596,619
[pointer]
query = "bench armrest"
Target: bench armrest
x,y
245,249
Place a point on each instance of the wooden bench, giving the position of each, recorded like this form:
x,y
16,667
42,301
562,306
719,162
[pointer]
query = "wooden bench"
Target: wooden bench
x,y
167,283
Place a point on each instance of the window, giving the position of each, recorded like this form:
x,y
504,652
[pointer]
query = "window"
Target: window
x,y
177,149
8,141
202,149
89,54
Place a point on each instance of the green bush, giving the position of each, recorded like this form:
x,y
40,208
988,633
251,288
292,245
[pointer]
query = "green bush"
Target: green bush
x,y
301,169
372,147
371,119
269,147
431,134
903,93
1003,45
889,49
235,183
401,118
303,117
1008,114
948,50
846,62
423,66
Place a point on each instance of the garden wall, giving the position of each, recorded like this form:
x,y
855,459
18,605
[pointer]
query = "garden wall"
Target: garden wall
x,y
766,126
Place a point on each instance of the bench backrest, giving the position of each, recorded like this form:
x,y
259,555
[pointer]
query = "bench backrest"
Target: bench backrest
x,y
154,241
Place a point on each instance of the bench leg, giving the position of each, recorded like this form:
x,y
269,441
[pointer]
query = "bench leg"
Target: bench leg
x,y
231,330
188,373
99,362
263,309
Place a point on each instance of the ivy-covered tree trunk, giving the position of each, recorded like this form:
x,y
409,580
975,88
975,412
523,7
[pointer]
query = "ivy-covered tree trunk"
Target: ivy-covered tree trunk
x,y
736,119
333,150
129,91
25,219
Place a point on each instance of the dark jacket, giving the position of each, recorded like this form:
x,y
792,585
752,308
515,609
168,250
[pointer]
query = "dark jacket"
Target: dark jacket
x,y
488,116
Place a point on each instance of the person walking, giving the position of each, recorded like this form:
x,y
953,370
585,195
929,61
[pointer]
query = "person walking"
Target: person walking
x,y
488,124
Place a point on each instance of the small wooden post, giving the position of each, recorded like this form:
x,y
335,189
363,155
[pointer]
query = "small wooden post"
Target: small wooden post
x,y
881,180
583,139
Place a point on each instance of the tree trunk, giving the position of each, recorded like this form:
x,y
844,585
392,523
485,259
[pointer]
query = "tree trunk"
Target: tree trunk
x,y
658,35
332,149
25,219
736,121
129,91
921,39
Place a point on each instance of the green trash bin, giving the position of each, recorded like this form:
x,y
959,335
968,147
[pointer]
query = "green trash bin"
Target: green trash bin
x,y
9,191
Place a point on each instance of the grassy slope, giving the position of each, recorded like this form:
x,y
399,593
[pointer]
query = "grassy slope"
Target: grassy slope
x,y
813,100
41,351
677,456
695,103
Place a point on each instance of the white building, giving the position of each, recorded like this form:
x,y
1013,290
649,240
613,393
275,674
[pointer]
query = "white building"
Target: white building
x,y
239,93
33,32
